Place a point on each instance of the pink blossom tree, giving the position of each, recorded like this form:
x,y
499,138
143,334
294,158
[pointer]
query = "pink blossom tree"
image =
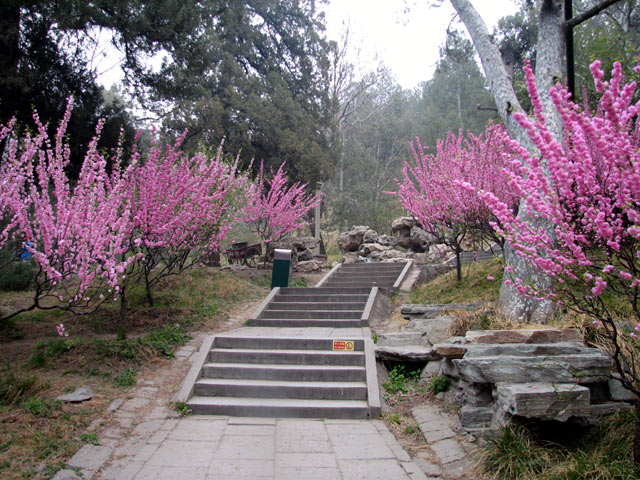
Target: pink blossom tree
x,y
435,189
181,210
590,194
78,233
274,209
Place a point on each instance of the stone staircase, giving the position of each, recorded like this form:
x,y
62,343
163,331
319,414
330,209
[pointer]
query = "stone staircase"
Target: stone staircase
x,y
382,275
307,352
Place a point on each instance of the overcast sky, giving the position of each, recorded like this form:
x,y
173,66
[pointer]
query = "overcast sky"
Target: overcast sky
x,y
406,42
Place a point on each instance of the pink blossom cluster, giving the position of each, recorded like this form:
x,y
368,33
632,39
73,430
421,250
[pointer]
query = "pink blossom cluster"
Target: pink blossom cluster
x,y
274,208
439,190
584,190
77,235
87,237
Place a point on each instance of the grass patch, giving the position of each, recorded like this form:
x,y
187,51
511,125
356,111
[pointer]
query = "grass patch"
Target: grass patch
x,y
15,388
599,453
40,407
127,378
438,384
474,286
400,379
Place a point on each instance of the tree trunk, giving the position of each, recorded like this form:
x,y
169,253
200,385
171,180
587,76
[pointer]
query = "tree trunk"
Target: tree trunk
x,y
458,265
147,286
121,331
550,47
636,436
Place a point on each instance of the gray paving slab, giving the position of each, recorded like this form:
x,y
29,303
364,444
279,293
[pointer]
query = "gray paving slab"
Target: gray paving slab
x,y
372,469
173,453
360,447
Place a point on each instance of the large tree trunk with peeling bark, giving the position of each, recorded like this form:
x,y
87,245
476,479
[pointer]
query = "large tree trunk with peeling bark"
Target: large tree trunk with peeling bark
x,y
550,49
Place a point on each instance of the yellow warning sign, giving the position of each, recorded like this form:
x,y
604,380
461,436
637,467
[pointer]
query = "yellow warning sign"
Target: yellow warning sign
x,y
347,345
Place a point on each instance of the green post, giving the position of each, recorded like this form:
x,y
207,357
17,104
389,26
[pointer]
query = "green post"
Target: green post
x,y
281,268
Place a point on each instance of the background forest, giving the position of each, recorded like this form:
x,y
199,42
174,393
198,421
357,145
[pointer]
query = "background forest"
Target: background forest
x,y
263,75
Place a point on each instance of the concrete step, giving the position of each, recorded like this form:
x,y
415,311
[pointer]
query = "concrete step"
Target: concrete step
x,y
302,373
303,314
281,343
286,305
307,322
321,298
300,357
278,407
281,389
372,266
325,291
366,275
358,284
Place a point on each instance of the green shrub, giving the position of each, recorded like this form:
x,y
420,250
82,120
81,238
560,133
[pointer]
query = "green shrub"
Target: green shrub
x,y
14,389
126,378
40,407
299,282
16,275
513,455
51,349
438,384
400,378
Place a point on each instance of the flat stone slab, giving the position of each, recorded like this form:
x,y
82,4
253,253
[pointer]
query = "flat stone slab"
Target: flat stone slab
x,y
411,310
551,335
449,350
582,368
526,349
398,339
90,457
81,394
546,401
407,353
436,329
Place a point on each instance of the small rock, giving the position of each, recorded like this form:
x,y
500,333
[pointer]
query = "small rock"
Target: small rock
x,y
617,391
448,350
408,353
79,395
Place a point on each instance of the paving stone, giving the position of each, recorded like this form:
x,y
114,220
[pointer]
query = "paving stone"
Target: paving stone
x,y
241,467
158,437
251,421
145,452
173,453
130,447
246,447
134,405
115,405
426,413
395,447
90,457
431,469
437,435
159,412
147,392
290,444
360,428
302,429
148,428
65,474
188,429
305,460
151,472
251,430
360,447
457,469
291,473
448,450
372,470
414,472
169,424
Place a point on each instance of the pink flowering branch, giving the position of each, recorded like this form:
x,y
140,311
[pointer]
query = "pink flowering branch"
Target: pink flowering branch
x,y
76,234
439,190
274,209
589,193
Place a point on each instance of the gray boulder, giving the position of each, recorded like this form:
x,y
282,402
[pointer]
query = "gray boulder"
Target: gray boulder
x,y
436,329
350,241
407,353
547,401
81,394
